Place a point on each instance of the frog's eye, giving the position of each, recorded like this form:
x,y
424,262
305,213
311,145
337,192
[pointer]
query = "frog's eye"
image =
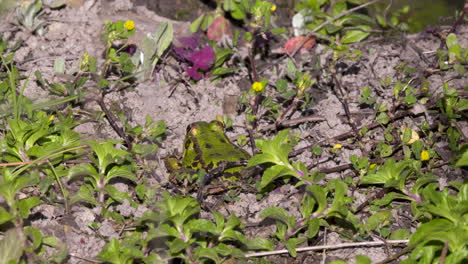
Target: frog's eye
x,y
192,129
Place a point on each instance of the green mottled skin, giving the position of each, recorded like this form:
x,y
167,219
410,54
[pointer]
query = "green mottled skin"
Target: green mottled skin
x,y
206,146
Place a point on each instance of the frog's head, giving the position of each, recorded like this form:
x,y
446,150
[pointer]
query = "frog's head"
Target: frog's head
x,y
196,128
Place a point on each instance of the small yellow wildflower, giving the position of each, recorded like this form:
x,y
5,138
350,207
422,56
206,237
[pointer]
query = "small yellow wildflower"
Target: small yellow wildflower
x,y
414,135
425,155
51,118
425,88
337,146
273,8
373,165
257,86
25,4
129,25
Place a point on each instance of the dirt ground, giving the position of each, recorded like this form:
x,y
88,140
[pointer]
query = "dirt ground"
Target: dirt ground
x,y
76,28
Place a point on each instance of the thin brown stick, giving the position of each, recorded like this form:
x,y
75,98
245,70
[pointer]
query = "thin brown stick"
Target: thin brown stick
x,y
113,123
443,255
331,247
85,259
349,134
292,122
397,255
344,103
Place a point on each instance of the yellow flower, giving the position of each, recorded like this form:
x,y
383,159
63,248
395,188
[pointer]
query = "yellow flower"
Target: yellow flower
x,y
414,135
425,88
51,118
257,86
25,4
337,146
425,155
373,165
273,8
129,25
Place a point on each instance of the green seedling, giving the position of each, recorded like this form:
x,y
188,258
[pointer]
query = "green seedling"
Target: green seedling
x,y
447,226
146,137
108,163
394,175
154,46
29,16
182,230
315,209
275,153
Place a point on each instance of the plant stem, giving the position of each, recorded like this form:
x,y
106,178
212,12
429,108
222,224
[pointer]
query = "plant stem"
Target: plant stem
x,y
59,182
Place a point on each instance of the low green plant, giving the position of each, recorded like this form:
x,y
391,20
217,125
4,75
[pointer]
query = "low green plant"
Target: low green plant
x,y
444,225
274,153
319,204
186,237
108,162
29,16
153,47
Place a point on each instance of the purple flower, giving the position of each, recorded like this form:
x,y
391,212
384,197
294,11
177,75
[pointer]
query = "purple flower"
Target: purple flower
x,y
198,58
203,59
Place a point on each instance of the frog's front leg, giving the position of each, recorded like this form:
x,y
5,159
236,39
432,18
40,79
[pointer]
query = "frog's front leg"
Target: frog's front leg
x,y
217,172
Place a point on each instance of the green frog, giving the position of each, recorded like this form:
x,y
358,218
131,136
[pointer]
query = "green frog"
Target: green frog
x,y
208,150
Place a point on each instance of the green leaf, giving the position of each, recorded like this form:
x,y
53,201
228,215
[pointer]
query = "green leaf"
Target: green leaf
x,y
201,225
233,235
34,235
441,230
122,172
12,245
140,191
85,193
259,243
383,118
233,222
352,36
378,220
59,65
195,25
281,85
207,253
25,205
384,149
222,71
163,37
361,259
291,69
273,173
177,245
319,195
219,220
291,245
400,234
117,195
389,197
163,231
224,250
339,7
313,227
463,161
389,174
111,252
5,216
279,214
332,29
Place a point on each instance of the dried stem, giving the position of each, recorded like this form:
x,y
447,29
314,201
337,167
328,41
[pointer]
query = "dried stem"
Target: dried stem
x,y
344,245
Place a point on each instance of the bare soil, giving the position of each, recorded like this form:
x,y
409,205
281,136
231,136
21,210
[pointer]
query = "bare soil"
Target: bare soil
x,y
76,29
